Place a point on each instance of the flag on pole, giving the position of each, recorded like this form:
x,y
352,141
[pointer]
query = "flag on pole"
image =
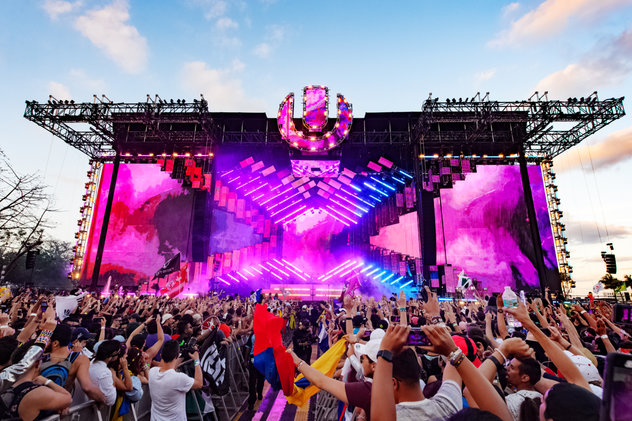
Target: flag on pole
x,y
170,266
176,286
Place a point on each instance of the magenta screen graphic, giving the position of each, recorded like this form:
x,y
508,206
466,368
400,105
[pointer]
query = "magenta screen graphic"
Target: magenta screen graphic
x,y
149,222
315,103
485,222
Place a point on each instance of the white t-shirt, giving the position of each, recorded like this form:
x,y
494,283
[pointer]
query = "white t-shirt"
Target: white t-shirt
x,y
101,375
514,401
443,405
168,391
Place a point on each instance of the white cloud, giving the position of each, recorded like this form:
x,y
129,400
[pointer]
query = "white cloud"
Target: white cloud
x,y
607,64
58,90
262,50
272,39
56,8
226,23
615,148
80,77
107,28
552,17
221,87
213,9
510,9
486,75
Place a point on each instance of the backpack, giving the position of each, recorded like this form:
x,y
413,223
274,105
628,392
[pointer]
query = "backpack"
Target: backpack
x,y
10,400
58,372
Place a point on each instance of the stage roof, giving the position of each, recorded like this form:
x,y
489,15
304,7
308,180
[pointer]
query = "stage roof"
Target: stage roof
x,y
542,129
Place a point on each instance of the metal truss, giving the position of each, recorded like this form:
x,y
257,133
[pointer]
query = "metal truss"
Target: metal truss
x,y
99,128
102,128
527,124
557,227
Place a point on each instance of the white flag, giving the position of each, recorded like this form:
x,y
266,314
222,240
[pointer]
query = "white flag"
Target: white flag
x,y
65,306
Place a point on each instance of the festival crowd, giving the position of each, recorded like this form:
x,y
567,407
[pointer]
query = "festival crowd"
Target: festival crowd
x,y
467,360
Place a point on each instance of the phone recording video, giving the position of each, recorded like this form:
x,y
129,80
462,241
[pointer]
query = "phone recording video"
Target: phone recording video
x,y
417,337
616,404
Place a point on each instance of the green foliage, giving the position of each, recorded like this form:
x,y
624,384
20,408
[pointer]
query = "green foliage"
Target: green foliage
x,y
51,266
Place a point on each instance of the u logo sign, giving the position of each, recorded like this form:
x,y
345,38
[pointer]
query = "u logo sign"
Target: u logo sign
x,y
314,137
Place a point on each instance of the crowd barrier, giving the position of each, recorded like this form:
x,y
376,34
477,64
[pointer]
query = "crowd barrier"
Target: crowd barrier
x,y
225,406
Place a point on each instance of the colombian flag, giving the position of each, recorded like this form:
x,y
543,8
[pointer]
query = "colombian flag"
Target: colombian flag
x,y
269,353
271,359
326,364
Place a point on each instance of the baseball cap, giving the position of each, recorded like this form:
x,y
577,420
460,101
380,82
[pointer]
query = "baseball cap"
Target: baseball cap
x,y
468,346
369,349
377,334
165,317
119,338
82,334
588,369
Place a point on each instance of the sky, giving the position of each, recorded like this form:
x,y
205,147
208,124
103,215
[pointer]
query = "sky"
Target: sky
x,y
383,56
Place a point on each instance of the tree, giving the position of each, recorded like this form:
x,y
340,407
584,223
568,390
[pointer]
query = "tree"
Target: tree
x,y
610,282
627,281
24,206
51,267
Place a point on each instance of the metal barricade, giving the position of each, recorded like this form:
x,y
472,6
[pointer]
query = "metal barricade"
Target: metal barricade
x,y
85,411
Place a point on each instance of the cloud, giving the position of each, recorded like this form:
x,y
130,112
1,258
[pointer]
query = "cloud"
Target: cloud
x,y
606,64
56,8
272,40
226,23
587,232
58,90
213,9
81,78
510,9
262,50
615,148
107,29
552,17
222,89
486,75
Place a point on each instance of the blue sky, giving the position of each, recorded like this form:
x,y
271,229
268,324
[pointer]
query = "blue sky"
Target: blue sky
x,y
383,56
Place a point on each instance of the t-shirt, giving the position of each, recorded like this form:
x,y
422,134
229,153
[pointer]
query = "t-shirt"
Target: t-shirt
x,y
514,401
168,392
101,375
359,395
441,406
151,339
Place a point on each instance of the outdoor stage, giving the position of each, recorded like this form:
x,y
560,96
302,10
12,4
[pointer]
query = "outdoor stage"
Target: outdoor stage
x,y
461,191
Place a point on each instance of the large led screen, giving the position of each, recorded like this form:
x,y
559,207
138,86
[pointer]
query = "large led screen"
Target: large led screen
x,y
150,222
307,242
482,228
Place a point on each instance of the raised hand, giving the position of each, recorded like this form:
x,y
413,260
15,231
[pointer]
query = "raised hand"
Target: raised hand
x,y
401,300
442,342
432,306
395,338
515,347
520,313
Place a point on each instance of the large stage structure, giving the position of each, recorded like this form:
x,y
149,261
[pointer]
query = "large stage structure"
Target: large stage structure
x,y
435,179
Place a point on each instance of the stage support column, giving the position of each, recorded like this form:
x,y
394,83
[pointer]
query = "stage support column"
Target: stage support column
x,y
425,220
533,222
106,222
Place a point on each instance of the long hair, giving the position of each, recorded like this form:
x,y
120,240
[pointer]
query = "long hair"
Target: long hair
x,y
530,409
